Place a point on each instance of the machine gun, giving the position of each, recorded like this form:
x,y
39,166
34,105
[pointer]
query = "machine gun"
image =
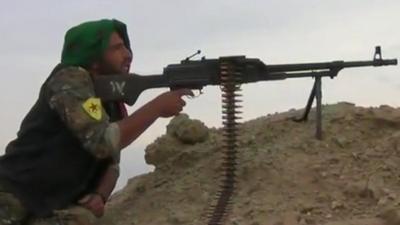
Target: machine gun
x,y
195,74
229,73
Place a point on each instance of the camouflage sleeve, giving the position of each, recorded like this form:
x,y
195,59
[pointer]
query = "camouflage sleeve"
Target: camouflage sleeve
x,y
71,95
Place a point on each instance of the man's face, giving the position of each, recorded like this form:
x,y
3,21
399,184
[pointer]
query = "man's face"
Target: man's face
x,y
117,58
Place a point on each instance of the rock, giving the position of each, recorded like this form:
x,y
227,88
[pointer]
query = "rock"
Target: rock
x,y
161,150
290,218
337,205
376,184
141,189
176,218
340,141
382,201
394,141
374,188
187,130
391,216
368,221
303,222
177,122
392,196
306,207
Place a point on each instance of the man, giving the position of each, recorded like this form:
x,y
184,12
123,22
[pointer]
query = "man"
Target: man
x,y
64,161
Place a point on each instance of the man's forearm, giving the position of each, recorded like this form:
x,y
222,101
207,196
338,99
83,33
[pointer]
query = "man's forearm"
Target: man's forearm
x,y
134,125
130,128
108,182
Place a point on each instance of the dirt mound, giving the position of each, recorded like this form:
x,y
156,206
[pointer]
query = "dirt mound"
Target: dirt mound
x,y
285,176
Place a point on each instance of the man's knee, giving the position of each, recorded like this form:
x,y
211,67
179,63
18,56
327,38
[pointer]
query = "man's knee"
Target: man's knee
x,y
11,210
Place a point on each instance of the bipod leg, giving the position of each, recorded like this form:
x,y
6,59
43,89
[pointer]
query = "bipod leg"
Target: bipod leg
x,y
318,116
308,106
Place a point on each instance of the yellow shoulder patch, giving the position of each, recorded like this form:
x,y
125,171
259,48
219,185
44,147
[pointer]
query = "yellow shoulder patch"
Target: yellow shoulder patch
x,y
93,107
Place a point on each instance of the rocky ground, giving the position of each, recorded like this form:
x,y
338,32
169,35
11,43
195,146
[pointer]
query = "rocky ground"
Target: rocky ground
x,y
285,176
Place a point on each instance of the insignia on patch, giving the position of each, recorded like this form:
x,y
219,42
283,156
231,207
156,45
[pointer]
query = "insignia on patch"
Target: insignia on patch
x,y
93,107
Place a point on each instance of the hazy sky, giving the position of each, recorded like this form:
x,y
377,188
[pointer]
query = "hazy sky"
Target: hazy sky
x,y
164,32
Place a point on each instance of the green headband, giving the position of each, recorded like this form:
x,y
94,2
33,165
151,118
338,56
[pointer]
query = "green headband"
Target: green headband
x,y
87,42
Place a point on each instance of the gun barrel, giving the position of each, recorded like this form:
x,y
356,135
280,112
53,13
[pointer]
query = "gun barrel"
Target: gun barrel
x,y
376,62
328,65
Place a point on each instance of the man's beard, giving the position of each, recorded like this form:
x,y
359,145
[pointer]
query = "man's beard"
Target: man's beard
x,y
106,68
